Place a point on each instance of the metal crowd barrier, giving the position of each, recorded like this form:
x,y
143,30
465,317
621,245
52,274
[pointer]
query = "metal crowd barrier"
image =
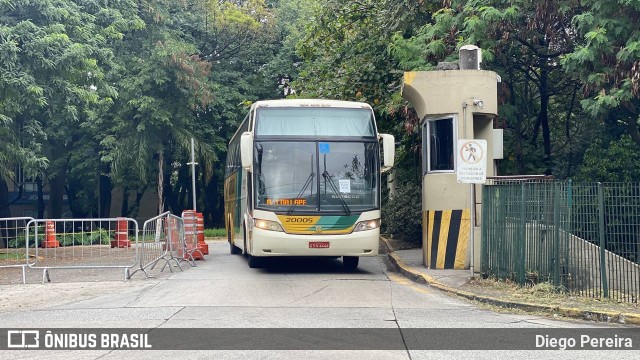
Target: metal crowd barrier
x,y
162,239
13,240
82,244
192,251
99,243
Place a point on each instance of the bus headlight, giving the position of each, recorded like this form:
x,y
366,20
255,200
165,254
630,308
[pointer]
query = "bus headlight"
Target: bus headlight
x,y
367,225
267,225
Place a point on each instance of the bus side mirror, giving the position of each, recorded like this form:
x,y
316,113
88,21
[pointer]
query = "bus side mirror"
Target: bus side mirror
x,y
246,150
389,151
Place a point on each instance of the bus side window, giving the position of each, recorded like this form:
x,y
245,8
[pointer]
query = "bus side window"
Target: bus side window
x,y
236,155
229,167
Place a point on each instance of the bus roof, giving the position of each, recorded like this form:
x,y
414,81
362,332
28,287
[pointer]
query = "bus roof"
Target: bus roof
x,y
311,103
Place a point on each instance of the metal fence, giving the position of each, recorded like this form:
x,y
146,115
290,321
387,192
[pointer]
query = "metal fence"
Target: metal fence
x,y
82,244
582,237
192,250
162,239
13,237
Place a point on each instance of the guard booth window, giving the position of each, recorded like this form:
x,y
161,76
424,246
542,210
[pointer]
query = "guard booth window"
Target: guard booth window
x,y
437,145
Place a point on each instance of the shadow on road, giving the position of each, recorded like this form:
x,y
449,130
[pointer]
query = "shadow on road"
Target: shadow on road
x,y
307,265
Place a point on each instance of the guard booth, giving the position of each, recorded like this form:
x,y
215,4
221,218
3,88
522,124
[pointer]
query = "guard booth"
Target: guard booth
x,y
453,104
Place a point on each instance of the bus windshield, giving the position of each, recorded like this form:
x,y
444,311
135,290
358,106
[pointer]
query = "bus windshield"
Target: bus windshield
x,y
309,121
316,176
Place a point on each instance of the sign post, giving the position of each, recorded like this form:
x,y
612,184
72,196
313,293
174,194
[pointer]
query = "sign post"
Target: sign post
x,y
472,169
193,164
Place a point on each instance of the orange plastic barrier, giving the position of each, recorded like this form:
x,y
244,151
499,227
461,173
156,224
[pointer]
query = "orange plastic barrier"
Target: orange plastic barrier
x,y
50,236
202,245
122,234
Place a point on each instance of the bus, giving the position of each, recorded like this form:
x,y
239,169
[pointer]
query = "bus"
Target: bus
x,y
302,178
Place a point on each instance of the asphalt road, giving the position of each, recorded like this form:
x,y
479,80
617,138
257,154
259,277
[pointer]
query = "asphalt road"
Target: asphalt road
x,y
223,292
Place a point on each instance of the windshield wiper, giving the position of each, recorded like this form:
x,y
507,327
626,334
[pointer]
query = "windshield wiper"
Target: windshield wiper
x,y
346,208
304,188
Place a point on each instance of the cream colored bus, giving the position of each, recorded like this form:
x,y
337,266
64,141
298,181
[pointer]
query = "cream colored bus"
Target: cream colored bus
x,y
303,179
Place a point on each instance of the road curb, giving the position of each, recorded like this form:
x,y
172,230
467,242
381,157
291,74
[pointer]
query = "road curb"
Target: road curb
x,y
418,277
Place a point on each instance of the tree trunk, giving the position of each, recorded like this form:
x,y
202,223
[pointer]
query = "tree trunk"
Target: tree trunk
x,y
135,210
124,208
212,201
185,185
160,181
41,204
72,190
182,198
543,116
105,194
517,127
5,212
56,199
169,193
542,120
567,132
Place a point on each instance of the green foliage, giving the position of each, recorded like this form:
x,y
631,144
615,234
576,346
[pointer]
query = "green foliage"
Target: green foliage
x,y
215,233
607,60
90,89
12,256
20,241
618,161
98,237
402,214
53,78
345,50
345,55
523,42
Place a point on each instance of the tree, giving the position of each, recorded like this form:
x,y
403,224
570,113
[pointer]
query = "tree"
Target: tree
x,y
52,47
194,63
523,41
616,161
345,53
607,60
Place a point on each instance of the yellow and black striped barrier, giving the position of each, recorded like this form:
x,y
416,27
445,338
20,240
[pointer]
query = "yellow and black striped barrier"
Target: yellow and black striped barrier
x,y
447,238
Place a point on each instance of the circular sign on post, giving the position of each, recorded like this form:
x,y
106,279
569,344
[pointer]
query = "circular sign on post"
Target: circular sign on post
x,y
472,161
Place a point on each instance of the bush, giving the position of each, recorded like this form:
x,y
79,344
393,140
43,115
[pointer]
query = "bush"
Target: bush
x,y
215,233
96,237
20,241
402,214
618,161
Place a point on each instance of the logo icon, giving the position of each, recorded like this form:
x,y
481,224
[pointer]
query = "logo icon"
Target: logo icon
x,y
23,339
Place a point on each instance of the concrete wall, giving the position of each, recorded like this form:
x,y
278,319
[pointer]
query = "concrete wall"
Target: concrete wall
x,y
442,92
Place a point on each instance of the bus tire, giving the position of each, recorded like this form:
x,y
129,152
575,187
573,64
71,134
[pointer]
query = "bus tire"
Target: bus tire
x,y
254,261
350,262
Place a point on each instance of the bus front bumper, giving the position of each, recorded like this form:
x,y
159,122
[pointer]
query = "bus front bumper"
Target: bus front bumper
x,y
274,243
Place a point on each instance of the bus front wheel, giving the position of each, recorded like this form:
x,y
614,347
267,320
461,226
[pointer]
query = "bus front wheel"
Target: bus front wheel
x,y
254,261
350,262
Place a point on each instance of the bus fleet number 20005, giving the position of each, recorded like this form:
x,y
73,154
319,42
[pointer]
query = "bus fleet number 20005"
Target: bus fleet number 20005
x,y
298,220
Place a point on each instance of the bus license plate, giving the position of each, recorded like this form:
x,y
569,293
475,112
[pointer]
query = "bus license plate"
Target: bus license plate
x,y
318,245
